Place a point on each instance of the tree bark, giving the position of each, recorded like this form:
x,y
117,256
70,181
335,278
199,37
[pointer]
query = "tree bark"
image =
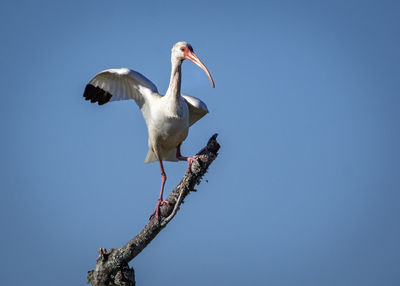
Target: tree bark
x,y
112,267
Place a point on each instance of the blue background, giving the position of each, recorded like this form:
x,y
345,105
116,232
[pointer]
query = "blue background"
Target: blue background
x,y
305,190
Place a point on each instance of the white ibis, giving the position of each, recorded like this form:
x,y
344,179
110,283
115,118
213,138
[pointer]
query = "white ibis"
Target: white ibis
x,y
167,117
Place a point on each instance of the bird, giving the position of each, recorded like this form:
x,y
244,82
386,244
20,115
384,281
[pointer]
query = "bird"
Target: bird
x,y
168,117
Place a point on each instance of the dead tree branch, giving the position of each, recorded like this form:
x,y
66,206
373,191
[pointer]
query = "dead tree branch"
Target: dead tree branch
x,y
112,266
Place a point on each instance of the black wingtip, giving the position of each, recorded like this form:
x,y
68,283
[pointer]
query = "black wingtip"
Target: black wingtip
x,y
96,94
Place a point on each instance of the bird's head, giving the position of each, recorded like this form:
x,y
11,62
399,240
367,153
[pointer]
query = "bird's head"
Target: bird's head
x,y
184,51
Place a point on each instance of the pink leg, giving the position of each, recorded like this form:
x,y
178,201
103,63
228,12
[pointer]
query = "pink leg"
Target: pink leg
x,y
190,160
160,200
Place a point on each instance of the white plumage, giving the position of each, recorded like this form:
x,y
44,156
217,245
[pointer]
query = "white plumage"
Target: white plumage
x,y
167,117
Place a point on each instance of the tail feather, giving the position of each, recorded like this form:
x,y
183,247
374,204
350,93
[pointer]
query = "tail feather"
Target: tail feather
x,y
151,157
167,156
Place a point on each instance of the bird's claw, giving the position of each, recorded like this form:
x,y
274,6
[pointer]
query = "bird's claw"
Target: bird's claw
x,y
156,212
163,202
190,160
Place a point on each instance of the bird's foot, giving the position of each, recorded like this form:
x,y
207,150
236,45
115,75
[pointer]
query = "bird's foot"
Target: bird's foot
x,y
190,161
156,212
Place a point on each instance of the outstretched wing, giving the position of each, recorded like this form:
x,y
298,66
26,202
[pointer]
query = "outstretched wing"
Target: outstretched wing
x,y
197,108
119,84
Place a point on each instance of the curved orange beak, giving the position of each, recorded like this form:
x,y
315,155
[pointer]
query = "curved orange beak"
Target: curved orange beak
x,y
190,55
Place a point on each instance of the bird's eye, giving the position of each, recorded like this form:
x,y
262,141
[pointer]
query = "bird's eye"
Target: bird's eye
x,y
182,49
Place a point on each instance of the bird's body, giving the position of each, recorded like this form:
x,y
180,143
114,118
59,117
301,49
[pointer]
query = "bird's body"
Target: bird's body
x,y
168,126
167,117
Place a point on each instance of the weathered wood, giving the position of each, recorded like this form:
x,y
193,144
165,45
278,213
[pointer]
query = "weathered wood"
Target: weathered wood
x,y
112,266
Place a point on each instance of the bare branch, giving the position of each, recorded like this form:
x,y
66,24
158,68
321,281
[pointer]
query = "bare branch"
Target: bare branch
x,y
112,266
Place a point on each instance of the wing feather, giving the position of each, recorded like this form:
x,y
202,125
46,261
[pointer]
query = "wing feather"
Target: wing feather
x,y
119,84
197,108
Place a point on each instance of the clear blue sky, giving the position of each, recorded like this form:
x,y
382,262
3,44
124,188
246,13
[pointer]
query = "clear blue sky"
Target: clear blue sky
x,y
307,105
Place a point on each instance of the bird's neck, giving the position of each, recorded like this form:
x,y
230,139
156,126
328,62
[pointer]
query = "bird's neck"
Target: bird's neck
x,y
174,88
